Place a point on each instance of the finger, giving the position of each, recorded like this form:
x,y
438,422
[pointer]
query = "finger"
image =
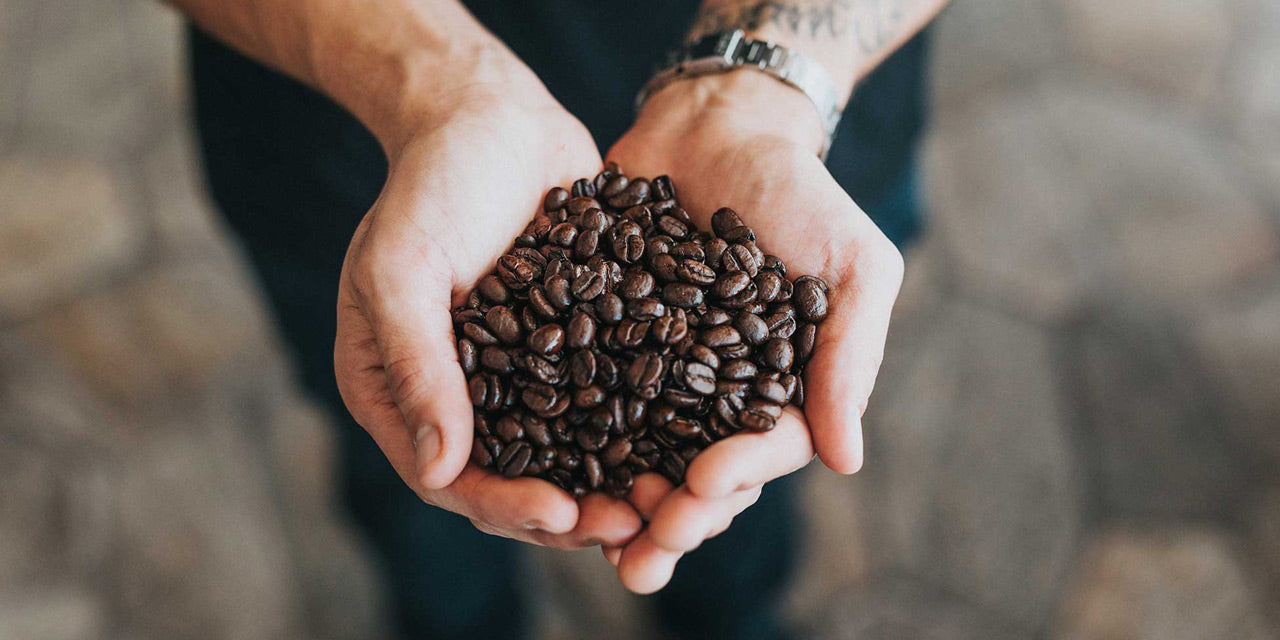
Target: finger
x,y
647,492
612,554
646,567
602,520
509,504
685,520
408,311
848,352
751,459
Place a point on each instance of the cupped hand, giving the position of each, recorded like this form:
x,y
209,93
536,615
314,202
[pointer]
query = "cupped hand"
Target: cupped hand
x,y
458,191
746,141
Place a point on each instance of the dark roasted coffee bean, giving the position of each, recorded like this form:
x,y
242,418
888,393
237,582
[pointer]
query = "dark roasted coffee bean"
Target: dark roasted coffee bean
x,y
662,188
733,351
497,360
672,227
700,378
679,294
568,458
593,471
592,438
669,330
486,391
771,390
663,266
588,285
559,292
546,340
614,186
739,234
618,481
616,453
775,264
803,341
509,429
681,399
634,194
720,336
684,428
563,234
756,420
607,373
730,284
739,258
644,376
588,397
504,324
582,368
754,331
705,355
635,412
480,455
714,318
529,321
635,284
810,299
514,459
515,272
768,285
583,188
628,249
540,305
645,309
777,354
609,308
555,199
743,300
631,333
581,331
725,220
561,478
468,356
586,244
537,431
478,334
738,370
782,326
541,370
695,272
493,290
657,245
672,467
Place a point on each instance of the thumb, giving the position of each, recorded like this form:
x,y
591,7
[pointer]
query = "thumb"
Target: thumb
x,y
411,329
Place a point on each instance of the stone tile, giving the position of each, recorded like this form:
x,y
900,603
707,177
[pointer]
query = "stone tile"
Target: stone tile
x,y
1168,219
1254,117
204,551
899,607
970,482
836,555
1156,436
1007,207
1262,525
971,63
1238,339
185,222
1187,584
165,337
579,596
63,226
82,91
29,482
1175,50
63,612
19,15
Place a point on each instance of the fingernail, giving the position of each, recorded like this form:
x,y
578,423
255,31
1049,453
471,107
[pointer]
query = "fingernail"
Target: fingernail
x,y
427,442
534,525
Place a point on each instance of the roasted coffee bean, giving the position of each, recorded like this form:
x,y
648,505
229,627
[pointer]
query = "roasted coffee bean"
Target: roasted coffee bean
x,y
724,221
772,390
681,399
714,317
583,188
555,199
547,340
672,227
743,300
768,285
705,355
739,370
619,481
634,194
672,467
588,397
468,356
514,459
684,428
740,258
644,377
810,298
645,309
753,330
803,341
669,330
695,272
663,266
609,308
628,249
699,378
635,284
493,290
777,354
515,272
486,391
679,294
784,329
537,431
616,453
593,470
730,284
582,368
585,246
480,455
587,286
478,335
662,188
720,336
592,438
613,186
504,324
607,373
541,370
756,420
568,458
739,234
581,331
497,360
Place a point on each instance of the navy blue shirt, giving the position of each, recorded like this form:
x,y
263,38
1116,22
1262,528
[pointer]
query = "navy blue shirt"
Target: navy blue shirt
x,y
293,173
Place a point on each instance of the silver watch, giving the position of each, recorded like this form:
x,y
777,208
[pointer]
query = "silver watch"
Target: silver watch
x,y
728,50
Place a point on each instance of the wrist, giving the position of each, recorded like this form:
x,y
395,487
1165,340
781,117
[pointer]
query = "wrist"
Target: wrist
x,y
743,103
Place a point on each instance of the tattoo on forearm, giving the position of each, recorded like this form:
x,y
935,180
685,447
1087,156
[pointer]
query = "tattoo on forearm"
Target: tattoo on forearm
x,y
871,23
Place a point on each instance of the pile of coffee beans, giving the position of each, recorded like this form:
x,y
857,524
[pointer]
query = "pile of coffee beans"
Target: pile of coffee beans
x,y
616,338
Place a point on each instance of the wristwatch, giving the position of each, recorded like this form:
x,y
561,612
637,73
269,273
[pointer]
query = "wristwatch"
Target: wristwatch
x,y
729,50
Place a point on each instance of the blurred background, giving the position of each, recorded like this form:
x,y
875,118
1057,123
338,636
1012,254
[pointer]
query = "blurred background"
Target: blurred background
x,y
1076,433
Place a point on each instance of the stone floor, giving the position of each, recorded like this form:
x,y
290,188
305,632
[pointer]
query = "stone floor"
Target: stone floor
x,y
1076,433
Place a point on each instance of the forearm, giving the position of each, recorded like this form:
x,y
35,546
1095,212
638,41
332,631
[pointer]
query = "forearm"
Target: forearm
x,y
392,63
849,37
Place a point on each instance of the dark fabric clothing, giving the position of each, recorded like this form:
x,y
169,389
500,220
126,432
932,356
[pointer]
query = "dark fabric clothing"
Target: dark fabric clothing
x,y
293,174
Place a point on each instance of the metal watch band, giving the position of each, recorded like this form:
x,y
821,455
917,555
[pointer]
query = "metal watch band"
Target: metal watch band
x,y
728,50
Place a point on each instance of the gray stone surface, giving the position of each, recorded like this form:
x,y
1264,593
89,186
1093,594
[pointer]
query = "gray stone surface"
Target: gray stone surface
x,y
51,613
1160,443
896,607
1030,43
1175,50
1187,584
970,480
63,226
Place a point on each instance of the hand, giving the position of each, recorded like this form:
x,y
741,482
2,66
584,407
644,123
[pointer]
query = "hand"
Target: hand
x,y
458,191
747,141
